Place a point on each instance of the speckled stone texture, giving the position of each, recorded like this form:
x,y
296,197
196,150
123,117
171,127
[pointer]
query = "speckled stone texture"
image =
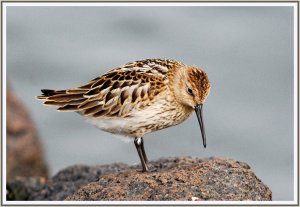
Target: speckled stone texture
x,y
191,179
24,151
63,184
181,178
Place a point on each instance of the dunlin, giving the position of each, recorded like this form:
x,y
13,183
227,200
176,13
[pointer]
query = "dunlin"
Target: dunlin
x,y
137,98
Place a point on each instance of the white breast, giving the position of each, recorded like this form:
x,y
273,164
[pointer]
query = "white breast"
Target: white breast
x,y
117,126
158,114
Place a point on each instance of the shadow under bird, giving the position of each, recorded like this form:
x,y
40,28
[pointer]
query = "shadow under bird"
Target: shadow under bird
x,y
137,98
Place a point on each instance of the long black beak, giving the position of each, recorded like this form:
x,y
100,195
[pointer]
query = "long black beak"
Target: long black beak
x,y
198,110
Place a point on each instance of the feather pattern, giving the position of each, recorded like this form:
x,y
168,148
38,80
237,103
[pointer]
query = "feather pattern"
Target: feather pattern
x,y
116,93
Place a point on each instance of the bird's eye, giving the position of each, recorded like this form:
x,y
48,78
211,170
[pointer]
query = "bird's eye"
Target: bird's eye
x,y
190,91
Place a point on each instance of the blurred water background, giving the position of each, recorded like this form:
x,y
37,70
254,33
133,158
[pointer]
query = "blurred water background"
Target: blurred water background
x,y
246,51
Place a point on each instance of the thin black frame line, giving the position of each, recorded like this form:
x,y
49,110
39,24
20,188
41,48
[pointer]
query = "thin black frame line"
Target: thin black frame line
x,y
297,74
2,103
148,1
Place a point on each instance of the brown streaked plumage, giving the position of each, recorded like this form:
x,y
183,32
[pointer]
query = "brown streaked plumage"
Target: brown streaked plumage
x,y
137,98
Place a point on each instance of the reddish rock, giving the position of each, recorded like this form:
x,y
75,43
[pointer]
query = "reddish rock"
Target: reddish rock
x,y
24,151
190,179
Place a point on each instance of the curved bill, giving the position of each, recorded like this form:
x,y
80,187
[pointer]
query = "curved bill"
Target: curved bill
x,y
198,110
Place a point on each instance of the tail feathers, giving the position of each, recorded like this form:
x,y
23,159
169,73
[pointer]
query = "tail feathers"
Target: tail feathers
x,y
65,100
47,92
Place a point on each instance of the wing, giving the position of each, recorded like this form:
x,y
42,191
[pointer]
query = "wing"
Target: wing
x,y
117,93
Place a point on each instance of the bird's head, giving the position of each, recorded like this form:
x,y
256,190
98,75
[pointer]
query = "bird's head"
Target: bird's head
x,y
191,88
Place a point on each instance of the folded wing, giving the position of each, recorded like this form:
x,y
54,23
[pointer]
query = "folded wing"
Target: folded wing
x,y
117,93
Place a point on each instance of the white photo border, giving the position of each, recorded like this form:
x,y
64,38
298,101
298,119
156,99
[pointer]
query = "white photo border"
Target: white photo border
x,y
294,4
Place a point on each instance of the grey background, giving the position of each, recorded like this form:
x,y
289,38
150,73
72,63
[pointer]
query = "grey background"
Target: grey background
x,y
246,51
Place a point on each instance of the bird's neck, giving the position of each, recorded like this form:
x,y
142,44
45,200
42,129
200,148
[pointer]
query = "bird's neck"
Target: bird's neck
x,y
175,76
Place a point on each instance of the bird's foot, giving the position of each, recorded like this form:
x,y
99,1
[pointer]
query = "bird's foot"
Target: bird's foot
x,y
149,168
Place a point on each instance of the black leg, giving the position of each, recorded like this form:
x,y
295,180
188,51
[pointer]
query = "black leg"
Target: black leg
x,y
143,151
138,144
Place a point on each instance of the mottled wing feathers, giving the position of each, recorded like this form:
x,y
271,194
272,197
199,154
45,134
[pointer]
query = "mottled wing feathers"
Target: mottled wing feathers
x,y
158,67
116,93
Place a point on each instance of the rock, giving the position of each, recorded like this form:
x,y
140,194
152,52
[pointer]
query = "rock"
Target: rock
x,y
20,188
24,151
63,184
69,180
212,179
182,178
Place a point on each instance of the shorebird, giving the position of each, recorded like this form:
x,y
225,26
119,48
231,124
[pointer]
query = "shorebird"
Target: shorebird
x,y
137,98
